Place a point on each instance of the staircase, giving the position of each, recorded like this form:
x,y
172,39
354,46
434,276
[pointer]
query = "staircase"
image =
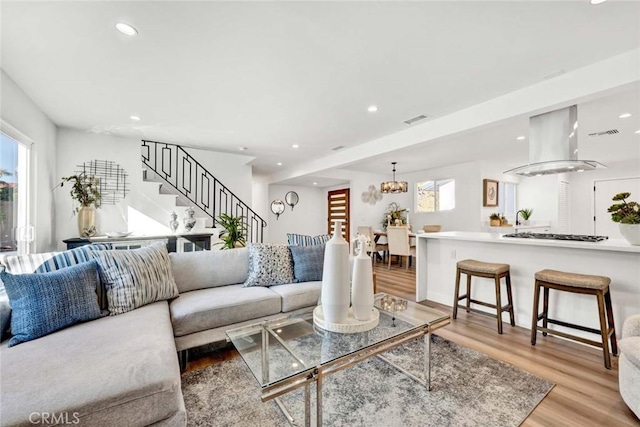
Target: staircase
x,y
183,176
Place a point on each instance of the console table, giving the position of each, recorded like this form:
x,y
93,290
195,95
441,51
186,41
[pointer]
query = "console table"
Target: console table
x,y
175,242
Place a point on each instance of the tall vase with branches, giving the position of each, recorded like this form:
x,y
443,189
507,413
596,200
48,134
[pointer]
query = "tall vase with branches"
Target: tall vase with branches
x,y
85,190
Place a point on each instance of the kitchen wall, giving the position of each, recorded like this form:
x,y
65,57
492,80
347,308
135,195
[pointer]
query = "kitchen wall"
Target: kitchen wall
x,y
144,210
20,112
307,217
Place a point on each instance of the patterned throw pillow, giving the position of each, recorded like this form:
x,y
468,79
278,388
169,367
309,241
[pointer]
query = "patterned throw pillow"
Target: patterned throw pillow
x,y
304,240
50,261
269,264
136,277
308,262
46,302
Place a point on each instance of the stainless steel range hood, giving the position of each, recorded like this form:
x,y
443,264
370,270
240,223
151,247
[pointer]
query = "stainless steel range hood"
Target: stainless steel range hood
x,y
553,145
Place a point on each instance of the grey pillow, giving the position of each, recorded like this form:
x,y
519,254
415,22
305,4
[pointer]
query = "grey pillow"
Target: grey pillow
x,y
209,269
308,262
269,264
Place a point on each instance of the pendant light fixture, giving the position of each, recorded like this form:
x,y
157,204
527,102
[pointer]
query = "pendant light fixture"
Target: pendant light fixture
x,y
394,186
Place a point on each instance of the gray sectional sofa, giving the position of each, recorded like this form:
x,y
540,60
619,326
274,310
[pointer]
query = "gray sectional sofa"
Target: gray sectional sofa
x,y
124,369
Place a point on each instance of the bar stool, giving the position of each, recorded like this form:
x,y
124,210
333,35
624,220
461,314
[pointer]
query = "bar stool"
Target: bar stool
x,y
496,272
580,284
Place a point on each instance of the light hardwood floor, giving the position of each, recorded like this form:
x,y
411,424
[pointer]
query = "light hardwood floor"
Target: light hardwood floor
x,y
586,394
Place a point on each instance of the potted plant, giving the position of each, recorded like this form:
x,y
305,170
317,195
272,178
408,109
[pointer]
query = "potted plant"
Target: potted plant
x,y
395,215
525,214
494,219
86,191
627,215
234,231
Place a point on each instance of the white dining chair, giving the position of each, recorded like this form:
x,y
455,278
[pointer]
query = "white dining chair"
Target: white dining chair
x,y
398,241
375,247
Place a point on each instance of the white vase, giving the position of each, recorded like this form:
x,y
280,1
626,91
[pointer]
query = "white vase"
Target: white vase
x,y
631,232
362,286
335,278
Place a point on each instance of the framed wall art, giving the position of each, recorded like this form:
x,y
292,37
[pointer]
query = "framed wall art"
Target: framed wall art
x,y
489,192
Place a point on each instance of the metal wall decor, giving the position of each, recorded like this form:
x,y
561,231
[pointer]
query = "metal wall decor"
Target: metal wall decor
x,y
291,198
277,207
372,195
113,185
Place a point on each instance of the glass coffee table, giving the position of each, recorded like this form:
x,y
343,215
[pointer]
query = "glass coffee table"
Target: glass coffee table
x,y
291,352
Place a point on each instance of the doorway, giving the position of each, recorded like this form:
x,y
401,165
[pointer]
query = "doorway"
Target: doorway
x,y
338,210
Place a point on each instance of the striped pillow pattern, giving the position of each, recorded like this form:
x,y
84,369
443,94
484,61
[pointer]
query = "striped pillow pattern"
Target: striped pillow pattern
x,y
49,261
136,277
304,240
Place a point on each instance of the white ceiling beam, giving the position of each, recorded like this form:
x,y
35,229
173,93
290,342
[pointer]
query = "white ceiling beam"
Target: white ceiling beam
x,y
566,89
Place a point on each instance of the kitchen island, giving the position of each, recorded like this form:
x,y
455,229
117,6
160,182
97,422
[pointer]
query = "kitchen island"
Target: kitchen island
x,y
438,253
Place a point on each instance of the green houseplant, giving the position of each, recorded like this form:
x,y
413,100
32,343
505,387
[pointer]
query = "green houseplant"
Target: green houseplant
x,y
627,215
85,190
495,220
525,214
234,231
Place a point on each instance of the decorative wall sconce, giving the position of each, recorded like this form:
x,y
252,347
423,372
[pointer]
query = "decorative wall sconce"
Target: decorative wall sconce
x,y
291,198
277,207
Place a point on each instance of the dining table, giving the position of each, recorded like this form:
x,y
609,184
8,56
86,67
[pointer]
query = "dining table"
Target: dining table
x,y
378,234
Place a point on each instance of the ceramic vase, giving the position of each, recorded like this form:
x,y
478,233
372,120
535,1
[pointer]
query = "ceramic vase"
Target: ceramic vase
x,y
335,278
631,232
189,220
173,224
87,221
362,286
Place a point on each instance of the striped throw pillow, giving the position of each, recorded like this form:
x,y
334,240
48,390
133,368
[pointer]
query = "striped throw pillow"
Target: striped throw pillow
x,y
136,277
304,240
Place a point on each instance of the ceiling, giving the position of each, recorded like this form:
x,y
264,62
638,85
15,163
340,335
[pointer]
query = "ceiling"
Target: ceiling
x,y
267,75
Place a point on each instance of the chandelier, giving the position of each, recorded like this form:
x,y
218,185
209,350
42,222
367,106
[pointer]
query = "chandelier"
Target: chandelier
x,y
394,186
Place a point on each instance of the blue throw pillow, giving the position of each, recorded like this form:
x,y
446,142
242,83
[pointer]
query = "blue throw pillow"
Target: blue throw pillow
x,y
307,262
46,302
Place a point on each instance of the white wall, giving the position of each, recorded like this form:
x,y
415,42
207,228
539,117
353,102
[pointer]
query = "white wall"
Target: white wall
x,y
307,217
17,110
581,197
144,210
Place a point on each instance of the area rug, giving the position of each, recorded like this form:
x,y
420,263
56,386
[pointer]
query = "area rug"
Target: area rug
x,y
468,389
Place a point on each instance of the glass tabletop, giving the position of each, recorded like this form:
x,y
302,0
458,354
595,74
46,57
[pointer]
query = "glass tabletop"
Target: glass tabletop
x,y
277,349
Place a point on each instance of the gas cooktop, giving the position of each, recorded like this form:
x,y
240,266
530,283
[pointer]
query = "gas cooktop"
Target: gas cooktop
x,y
551,236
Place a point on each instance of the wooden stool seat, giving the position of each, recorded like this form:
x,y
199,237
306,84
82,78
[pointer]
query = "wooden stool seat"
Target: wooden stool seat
x,y
573,279
582,284
471,267
482,267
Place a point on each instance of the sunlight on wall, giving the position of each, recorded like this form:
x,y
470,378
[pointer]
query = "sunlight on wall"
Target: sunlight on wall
x,y
140,223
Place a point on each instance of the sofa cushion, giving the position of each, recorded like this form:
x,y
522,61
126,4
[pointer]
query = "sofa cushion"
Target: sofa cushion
x,y
630,346
119,370
44,303
204,309
298,295
136,277
209,269
304,240
308,262
269,264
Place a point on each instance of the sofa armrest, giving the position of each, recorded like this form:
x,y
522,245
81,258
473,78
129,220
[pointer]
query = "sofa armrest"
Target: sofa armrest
x,y
631,327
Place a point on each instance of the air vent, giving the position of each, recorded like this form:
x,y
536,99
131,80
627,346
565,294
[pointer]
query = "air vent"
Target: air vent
x,y
337,148
416,119
603,133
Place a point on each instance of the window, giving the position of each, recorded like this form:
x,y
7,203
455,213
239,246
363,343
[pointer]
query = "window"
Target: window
x,y
507,200
15,232
435,196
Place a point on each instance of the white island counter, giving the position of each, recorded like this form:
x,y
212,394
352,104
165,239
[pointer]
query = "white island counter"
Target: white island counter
x,y
438,253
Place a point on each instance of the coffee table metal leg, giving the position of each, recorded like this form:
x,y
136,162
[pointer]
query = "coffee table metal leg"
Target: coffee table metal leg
x,y
319,401
265,355
284,410
307,405
427,359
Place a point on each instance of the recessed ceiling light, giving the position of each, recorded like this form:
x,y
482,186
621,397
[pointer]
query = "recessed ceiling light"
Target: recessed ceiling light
x,y
295,146
135,118
279,163
624,115
638,131
597,1
521,137
372,108
580,170
570,167
126,29
315,183
242,148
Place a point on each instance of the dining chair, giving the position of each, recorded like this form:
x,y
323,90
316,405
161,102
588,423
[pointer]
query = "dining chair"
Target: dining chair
x,y
398,241
375,246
